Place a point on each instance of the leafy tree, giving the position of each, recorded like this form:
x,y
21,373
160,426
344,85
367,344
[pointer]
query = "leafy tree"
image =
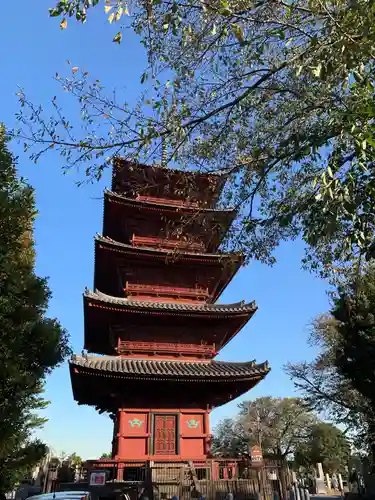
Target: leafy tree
x,y
353,308
338,380
277,424
324,388
106,455
21,456
31,344
276,96
75,460
230,439
326,444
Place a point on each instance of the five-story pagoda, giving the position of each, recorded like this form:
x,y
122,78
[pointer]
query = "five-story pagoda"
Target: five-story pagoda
x,y
153,316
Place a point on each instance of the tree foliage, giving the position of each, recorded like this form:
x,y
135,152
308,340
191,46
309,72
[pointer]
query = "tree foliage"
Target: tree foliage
x,y
31,344
230,439
76,460
277,96
325,444
17,459
338,381
277,424
354,310
324,388
285,429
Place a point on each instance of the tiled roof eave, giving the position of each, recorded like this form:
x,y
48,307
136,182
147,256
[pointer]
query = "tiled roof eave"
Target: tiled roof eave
x,y
165,369
164,378
239,308
116,197
208,257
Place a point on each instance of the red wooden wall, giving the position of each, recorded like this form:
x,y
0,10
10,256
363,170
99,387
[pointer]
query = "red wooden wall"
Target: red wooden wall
x,y
153,434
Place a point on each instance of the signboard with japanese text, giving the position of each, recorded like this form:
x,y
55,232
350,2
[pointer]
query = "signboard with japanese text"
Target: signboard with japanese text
x,y
97,479
256,456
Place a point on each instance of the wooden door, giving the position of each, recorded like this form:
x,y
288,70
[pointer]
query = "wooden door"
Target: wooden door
x,y
165,435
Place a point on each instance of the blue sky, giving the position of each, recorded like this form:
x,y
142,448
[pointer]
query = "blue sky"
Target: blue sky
x,y
33,49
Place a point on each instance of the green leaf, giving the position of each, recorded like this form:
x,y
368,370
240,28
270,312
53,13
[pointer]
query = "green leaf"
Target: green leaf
x,y
119,13
54,12
286,220
317,71
358,78
238,33
299,70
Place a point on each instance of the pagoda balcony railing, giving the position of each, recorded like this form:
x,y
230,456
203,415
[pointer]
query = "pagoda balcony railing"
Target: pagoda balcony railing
x,y
168,201
197,293
125,346
151,241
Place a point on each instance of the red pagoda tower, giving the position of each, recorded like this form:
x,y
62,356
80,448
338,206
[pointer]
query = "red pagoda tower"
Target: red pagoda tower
x,y
153,317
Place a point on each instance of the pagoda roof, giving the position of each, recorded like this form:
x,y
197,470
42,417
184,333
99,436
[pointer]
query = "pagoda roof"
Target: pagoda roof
x,y
161,252
121,161
186,323
164,204
201,308
150,217
151,368
215,270
134,178
110,382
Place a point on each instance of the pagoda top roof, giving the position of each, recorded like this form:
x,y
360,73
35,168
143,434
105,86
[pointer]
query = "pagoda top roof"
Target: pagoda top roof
x,y
167,369
164,204
121,162
168,252
132,179
238,307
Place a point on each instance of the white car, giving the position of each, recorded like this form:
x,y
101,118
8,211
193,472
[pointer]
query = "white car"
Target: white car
x,y
63,495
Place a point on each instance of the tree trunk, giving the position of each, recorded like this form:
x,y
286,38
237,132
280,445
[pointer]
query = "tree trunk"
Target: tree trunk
x,y
372,448
371,441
